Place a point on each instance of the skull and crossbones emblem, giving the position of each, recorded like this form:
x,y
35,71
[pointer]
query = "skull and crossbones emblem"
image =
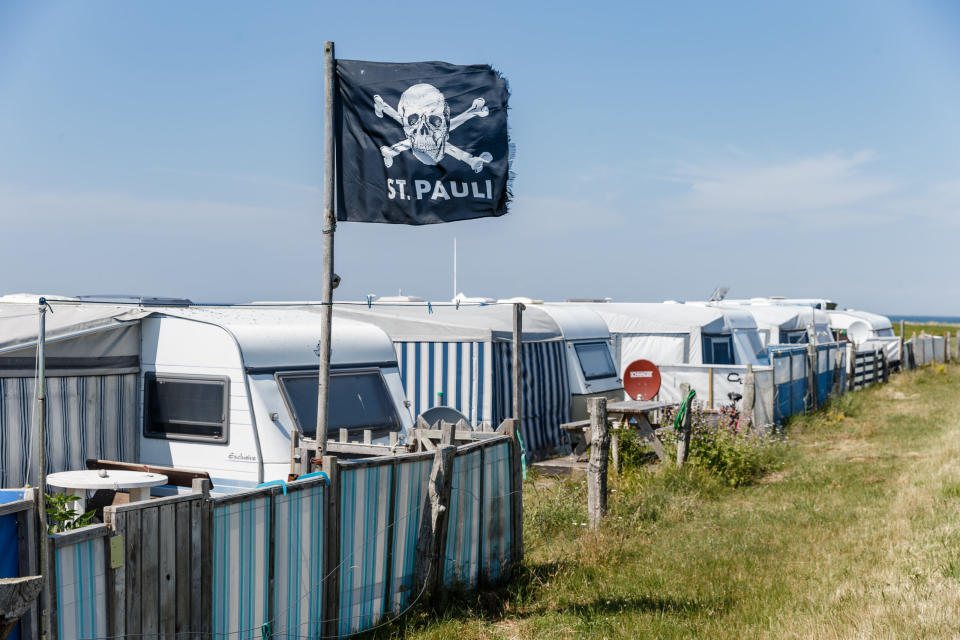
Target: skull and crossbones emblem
x,y
424,114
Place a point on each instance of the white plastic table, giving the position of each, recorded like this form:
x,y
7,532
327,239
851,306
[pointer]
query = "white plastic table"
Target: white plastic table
x,y
137,482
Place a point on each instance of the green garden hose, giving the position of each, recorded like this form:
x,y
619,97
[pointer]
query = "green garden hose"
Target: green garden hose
x,y
682,413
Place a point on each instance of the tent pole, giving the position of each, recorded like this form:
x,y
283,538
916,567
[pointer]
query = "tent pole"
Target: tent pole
x,y
46,611
329,227
517,364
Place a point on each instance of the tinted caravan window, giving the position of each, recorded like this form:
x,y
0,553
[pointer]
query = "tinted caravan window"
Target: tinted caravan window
x,y
794,336
186,407
718,348
358,400
595,360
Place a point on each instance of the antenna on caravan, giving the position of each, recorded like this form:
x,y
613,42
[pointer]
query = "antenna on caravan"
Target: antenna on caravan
x,y
718,294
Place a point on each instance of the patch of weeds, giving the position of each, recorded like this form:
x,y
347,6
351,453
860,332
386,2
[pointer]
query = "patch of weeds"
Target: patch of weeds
x,y
736,453
952,490
559,507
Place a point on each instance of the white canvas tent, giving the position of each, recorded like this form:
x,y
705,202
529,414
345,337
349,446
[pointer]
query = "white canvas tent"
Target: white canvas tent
x,y
460,356
787,324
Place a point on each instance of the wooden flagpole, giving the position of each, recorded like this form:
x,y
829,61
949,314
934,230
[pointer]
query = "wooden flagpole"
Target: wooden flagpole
x,y
329,227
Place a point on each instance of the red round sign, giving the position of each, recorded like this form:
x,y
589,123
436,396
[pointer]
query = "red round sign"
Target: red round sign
x,y
641,380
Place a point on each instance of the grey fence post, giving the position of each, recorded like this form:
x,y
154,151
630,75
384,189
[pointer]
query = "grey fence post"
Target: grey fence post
x,y
749,397
812,366
331,559
428,564
597,470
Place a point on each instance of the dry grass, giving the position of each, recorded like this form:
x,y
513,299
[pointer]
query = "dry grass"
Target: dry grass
x,y
856,536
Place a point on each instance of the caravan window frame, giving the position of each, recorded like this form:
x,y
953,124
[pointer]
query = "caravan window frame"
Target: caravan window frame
x,y
605,347
313,373
708,339
223,381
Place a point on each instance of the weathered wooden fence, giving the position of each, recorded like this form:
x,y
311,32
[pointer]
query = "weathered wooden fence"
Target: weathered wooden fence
x,y
869,367
330,554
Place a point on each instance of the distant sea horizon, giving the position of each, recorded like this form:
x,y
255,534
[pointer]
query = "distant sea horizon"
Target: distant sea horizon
x,y
921,319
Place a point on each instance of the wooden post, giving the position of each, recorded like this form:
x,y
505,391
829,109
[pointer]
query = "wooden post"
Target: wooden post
x,y
615,446
518,364
876,365
946,347
683,438
749,397
885,365
509,427
956,345
903,356
447,435
329,227
597,470
812,367
837,372
331,539
429,558
710,387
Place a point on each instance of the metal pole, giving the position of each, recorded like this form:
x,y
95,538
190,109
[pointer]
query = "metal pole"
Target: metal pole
x,y
517,364
329,227
42,467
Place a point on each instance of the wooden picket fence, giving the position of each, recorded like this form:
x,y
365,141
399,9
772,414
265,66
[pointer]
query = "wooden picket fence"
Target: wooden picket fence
x,y
328,555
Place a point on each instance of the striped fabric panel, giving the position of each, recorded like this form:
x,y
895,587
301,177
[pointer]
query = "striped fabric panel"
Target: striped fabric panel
x,y
546,392
87,417
461,561
298,562
81,590
495,538
460,371
364,509
410,491
240,561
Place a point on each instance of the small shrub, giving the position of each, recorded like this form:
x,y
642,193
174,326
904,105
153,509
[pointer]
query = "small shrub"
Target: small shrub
x,y
719,443
61,517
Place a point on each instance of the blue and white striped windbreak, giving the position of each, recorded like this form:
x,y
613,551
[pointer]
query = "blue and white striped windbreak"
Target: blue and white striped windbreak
x,y
87,417
475,379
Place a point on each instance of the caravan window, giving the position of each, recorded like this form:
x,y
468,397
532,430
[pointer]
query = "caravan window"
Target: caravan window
x,y
358,400
186,407
595,360
884,333
794,336
718,348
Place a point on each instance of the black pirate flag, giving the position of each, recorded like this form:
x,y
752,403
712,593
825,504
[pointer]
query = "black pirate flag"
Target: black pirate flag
x,y
421,143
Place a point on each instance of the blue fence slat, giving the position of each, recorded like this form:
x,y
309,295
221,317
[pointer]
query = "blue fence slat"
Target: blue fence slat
x,y
298,561
495,533
241,548
81,590
364,528
410,490
461,561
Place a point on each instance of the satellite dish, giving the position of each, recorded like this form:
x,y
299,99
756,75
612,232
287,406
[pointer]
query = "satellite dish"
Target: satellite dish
x,y
435,415
641,380
858,331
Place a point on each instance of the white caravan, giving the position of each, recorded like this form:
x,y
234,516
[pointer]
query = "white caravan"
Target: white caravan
x,y
218,389
786,324
866,330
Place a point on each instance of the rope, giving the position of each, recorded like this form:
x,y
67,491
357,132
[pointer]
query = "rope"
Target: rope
x,y
682,412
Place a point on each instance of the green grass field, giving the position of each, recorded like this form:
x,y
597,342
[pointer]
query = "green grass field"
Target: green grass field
x,y
930,328
853,533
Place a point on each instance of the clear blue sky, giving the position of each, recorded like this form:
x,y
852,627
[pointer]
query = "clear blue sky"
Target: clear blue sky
x,y
799,149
